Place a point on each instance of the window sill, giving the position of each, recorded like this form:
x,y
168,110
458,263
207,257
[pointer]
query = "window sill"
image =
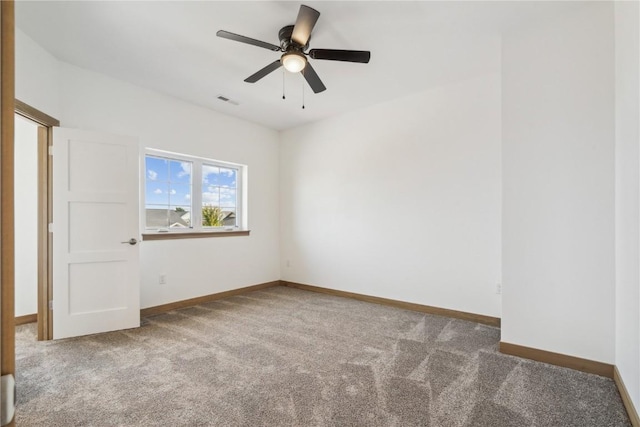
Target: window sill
x,y
173,235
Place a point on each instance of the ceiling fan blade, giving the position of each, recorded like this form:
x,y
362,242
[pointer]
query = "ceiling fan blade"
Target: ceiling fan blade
x,y
312,78
361,56
266,70
247,40
307,18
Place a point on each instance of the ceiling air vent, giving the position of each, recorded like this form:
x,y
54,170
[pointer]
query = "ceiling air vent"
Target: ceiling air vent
x,y
225,99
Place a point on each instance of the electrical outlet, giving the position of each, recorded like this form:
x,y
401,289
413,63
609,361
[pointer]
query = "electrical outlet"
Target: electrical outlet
x,y
162,279
499,288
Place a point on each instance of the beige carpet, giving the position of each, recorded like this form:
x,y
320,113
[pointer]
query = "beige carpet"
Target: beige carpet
x,y
288,357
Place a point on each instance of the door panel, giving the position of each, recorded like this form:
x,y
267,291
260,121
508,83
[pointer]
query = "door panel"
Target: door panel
x,y
84,236
91,166
96,277
95,287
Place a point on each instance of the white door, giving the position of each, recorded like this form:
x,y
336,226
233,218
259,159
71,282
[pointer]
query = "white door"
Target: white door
x,y
96,277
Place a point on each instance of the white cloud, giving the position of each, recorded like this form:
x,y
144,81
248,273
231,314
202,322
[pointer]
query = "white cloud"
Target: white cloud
x,y
157,191
219,196
217,172
208,170
186,169
172,192
210,198
187,196
227,197
152,175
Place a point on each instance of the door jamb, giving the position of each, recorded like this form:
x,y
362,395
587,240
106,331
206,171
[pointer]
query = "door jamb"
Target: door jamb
x,y
7,260
45,215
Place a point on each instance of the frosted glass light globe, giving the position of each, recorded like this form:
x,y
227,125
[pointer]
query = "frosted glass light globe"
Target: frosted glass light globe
x,y
293,62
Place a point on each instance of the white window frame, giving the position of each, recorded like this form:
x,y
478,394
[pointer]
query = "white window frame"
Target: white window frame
x,y
196,192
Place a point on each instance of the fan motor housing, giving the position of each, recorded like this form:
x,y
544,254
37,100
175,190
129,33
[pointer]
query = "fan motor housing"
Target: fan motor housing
x,y
285,39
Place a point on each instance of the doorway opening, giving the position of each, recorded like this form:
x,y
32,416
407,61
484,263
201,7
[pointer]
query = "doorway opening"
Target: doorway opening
x,y
33,213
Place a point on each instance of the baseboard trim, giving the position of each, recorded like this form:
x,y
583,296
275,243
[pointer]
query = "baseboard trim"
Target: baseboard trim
x,y
472,317
626,399
159,309
27,318
558,359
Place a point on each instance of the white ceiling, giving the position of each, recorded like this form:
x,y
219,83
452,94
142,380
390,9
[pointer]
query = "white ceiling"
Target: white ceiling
x,y
171,47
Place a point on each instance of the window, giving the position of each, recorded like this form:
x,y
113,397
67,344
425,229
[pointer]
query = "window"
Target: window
x,y
188,193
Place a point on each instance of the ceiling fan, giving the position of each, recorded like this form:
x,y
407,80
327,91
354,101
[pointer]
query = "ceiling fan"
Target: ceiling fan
x,y
294,41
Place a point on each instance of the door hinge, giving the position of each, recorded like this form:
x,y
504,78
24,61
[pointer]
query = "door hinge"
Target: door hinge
x,y
8,394
51,305
51,150
50,227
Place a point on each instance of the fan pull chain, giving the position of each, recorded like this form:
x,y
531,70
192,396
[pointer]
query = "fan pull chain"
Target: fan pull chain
x,y
283,97
303,88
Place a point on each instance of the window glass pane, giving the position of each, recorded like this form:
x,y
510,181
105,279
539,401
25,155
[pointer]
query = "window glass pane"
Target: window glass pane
x,y
180,171
218,196
156,169
180,217
229,217
157,216
227,197
212,216
179,194
157,193
227,178
211,196
167,193
210,175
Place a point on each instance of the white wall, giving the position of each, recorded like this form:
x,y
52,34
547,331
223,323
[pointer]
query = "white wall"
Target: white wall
x,y
37,79
400,200
627,17
26,216
558,185
193,267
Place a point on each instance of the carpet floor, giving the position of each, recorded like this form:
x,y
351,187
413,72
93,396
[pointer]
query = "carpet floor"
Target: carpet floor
x,y
286,357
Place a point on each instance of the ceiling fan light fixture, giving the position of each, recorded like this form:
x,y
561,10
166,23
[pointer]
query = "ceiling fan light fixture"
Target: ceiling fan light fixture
x,y
294,62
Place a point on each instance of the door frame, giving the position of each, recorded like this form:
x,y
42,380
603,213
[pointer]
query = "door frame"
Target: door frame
x,y
7,259
45,215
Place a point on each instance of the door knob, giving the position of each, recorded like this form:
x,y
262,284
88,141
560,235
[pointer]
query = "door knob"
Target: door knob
x,y
131,241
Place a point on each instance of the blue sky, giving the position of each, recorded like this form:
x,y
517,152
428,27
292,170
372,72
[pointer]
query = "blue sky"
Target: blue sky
x,y
168,183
